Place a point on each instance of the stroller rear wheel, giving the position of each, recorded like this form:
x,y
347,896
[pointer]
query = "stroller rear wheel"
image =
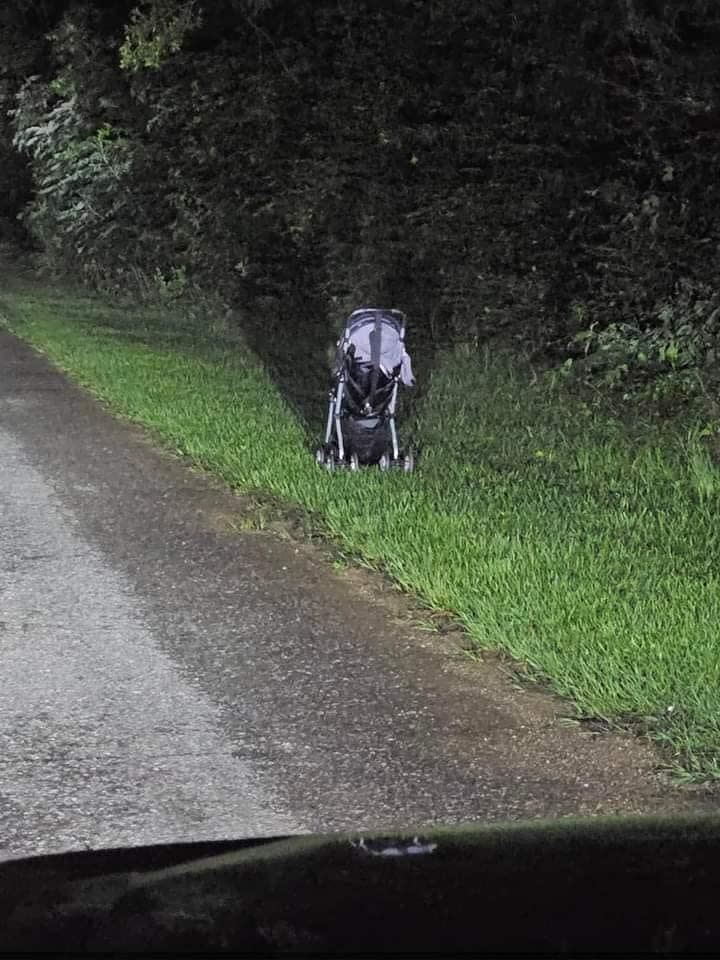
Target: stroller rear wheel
x,y
354,462
408,462
325,457
384,462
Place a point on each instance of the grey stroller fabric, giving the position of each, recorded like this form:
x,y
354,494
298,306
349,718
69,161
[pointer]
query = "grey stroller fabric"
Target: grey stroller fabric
x,y
377,338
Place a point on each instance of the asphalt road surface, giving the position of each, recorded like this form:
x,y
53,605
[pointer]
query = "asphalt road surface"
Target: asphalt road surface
x,y
163,678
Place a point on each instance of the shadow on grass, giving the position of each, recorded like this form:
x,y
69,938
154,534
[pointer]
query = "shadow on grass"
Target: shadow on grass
x,y
296,364
291,338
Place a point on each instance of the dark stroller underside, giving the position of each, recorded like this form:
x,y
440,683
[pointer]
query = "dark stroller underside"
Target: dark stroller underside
x,y
371,361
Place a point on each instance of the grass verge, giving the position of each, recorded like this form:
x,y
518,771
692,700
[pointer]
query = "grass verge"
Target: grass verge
x,y
583,546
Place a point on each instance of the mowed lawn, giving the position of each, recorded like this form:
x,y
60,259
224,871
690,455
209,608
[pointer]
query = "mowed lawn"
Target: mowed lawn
x,y
583,546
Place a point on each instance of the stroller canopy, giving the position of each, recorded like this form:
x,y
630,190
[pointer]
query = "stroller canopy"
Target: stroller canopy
x,y
378,337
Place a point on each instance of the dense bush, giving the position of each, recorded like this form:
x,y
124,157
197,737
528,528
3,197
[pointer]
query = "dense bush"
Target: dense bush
x,y
548,168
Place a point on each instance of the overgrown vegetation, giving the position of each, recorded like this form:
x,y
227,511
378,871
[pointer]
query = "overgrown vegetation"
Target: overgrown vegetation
x,y
587,549
544,167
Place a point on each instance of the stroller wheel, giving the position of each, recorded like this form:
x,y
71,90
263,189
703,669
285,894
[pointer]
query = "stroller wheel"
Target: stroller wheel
x,y
354,462
384,462
330,461
408,462
320,457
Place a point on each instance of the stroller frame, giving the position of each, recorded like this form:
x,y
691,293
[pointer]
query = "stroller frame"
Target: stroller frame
x,y
334,452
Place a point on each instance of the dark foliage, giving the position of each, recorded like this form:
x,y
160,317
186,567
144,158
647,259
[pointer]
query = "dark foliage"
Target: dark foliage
x,y
545,168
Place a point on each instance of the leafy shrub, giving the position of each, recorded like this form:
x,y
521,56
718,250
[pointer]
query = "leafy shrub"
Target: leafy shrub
x,y
502,165
80,176
156,30
676,350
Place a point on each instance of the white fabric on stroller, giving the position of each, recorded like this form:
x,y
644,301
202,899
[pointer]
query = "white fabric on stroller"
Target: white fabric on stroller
x,y
392,348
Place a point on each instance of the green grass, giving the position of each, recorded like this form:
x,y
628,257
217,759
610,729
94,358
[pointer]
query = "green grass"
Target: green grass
x,y
585,547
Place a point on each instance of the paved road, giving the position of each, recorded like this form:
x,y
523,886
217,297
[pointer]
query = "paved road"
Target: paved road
x,y
162,678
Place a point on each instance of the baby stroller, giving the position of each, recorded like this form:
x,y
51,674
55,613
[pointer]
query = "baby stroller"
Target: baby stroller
x,y
370,362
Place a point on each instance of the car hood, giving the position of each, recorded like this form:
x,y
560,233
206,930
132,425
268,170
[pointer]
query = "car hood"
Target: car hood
x,y
632,884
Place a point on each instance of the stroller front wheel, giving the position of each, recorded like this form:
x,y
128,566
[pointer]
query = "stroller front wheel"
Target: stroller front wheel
x,y
384,462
